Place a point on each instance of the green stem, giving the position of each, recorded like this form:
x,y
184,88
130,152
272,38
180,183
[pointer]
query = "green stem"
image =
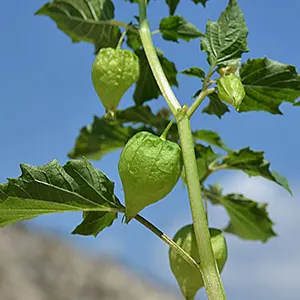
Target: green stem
x,y
164,238
210,273
122,38
168,241
166,131
211,276
198,101
154,62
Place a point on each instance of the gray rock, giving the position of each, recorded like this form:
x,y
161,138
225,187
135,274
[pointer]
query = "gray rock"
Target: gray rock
x,y
36,267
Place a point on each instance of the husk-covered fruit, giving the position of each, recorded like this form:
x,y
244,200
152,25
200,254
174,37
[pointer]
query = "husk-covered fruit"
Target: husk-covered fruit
x,y
113,72
188,277
149,168
231,90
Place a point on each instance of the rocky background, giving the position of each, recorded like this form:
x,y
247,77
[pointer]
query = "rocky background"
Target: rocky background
x,y
36,267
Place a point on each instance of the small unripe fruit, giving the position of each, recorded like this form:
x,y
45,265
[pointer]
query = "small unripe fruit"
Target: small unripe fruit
x,y
113,73
188,277
149,168
231,90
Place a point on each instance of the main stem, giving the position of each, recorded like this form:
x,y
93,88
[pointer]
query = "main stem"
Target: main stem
x,y
210,273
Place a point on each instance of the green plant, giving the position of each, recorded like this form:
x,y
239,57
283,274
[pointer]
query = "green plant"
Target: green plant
x,y
254,85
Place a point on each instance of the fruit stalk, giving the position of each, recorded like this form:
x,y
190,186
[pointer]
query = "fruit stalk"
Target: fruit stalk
x,y
211,276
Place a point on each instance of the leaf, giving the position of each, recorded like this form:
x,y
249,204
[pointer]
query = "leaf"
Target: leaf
x,y
203,2
139,114
194,71
225,40
215,106
85,20
176,27
213,193
267,84
172,5
248,219
77,186
94,222
133,40
204,157
146,87
210,137
101,138
297,104
253,163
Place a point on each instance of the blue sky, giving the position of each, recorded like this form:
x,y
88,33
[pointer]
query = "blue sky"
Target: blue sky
x,y
47,96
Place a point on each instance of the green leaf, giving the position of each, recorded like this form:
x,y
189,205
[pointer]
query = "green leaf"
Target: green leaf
x,y
101,138
172,5
215,106
77,186
253,163
94,222
146,87
225,40
133,40
204,157
211,137
194,71
85,20
213,193
203,2
267,84
176,27
248,219
297,104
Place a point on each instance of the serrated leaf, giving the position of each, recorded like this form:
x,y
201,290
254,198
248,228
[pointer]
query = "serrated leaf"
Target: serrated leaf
x,y
146,87
176,27
215,106
248,219
203,2
172,5
100,138
253,163
94,222
267,84
211,137
77,186
85,20
194,71
226,40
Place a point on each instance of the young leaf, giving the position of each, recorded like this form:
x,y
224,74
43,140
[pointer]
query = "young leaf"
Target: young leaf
x,y
194,71
248,219
215,106
253,163
172,5
225,40
77,186
267,84
82,20
146,87
176,27
101,138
